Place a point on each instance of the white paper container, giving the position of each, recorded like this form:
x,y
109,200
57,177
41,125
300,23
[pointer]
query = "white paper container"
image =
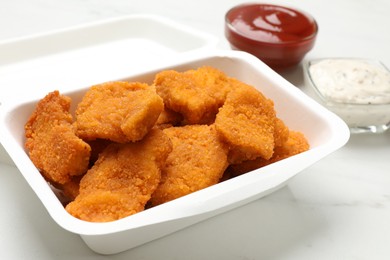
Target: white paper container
x,y
32,66
325,131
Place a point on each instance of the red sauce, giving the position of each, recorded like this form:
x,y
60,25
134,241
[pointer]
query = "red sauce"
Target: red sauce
x,y
270,23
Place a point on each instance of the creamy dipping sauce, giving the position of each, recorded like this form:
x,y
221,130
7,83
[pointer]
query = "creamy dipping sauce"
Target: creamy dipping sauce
x,y
351,81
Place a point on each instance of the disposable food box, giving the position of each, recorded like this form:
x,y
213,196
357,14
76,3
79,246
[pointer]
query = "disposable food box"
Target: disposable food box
x,y
325,132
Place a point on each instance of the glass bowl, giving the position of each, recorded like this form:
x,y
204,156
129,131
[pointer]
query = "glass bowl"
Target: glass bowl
x,y
358,90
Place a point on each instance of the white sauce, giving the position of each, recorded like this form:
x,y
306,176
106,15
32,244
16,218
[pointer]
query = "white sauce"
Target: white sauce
x,y
352,81
356,90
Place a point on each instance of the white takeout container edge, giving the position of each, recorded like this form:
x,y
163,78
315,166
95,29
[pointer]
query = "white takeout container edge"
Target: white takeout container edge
x,y
31,65
325,131
30,45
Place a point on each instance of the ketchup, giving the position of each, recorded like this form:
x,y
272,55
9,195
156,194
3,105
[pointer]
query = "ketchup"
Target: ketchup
x,y
271,23
279,36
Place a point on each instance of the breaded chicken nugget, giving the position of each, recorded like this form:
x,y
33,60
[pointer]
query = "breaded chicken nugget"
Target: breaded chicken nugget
x,y
51,142
215,83
246,122
197,161
196,94
122,179
295,144
281,132
118,111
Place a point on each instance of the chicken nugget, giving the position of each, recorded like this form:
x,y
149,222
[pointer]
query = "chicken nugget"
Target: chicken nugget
x,y
246,122
118,111
51,142
295,144
281,132
196,94
198,160
122,179
215,83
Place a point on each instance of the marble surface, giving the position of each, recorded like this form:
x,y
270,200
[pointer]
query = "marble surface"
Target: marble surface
x,y
339,208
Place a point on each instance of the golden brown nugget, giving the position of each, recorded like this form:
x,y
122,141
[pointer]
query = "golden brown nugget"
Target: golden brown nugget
x,y
215,83
295,144
281,132
122,179
118,111
197,161
196,94
246,122
51,142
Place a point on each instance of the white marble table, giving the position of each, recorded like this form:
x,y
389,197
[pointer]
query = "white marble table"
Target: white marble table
x,y
337,209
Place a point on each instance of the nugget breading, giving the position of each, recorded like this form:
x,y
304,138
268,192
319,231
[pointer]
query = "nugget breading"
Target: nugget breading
x,y
295,144
196,94
281,132
214,82
122,179
51,142
246,122
197,161
118,111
